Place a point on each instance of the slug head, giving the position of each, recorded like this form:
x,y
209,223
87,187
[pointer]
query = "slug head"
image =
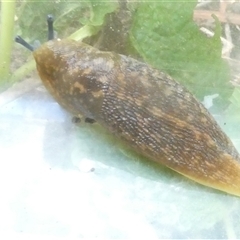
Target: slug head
x,y
67,71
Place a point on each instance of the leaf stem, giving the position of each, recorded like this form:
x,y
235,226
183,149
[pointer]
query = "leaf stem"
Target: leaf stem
x,y
6,37
85,31
23,71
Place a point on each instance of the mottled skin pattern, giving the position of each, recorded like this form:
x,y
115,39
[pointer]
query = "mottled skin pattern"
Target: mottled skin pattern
x,y
143,106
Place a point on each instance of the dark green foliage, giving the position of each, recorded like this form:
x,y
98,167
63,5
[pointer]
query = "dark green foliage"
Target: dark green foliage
x,y
170,41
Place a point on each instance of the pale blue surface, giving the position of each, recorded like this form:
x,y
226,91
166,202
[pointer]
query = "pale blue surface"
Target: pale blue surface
x,y
49,191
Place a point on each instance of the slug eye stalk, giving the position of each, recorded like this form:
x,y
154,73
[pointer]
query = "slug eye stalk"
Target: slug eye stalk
x,y
25,44
50,20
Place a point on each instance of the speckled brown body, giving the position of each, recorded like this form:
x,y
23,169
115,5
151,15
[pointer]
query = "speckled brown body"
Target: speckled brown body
x,y
148,109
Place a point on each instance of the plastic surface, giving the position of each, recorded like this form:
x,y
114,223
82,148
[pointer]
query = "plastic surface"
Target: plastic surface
x,y
60,180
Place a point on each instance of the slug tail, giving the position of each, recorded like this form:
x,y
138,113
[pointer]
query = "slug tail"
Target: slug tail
x,y
224,177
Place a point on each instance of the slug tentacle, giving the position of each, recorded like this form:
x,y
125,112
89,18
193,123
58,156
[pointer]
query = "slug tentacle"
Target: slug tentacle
x,y
146,108
50,27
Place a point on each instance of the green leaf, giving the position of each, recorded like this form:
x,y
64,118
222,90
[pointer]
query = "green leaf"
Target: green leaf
x,y
70,16
166,37
100,9
233,109
235,98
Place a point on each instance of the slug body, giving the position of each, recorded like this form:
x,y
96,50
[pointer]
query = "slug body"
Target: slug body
x,y
147,108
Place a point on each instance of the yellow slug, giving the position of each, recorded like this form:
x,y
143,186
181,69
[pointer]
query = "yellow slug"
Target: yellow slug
x,y
146,108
